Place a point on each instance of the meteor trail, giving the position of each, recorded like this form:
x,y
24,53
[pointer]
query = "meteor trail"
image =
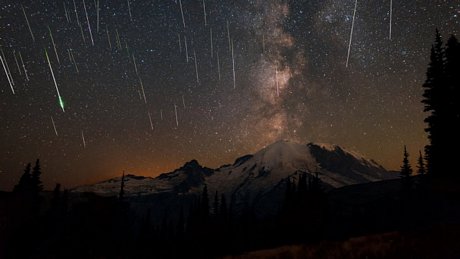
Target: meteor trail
x,y
54,126
228,36
83,139
175,112
118,39
186,48
66,13
108,36
180,44
89,25
218,63
73,60
391,16
23,66
142,89
233,66
196,68
17,63
161,114
212,47
182,12
7,67
61,102
7,75
135,64
78,22
28,24
183,101
204,13
351,32
129,11
150,119
54,45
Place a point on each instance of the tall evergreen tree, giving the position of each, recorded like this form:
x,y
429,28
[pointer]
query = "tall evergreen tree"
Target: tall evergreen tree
x,y
441,100
205,202
25,182
453,84
35,177
406,169
420,165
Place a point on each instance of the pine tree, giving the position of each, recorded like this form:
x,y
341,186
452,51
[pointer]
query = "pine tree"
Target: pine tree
x,y
420,165
453,85
35,178
406,169
433,101
205,202
24,184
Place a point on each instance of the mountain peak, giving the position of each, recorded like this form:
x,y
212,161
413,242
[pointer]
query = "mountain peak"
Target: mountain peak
x,y
192,164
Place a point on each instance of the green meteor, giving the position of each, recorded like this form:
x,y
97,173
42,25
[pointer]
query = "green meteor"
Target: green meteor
x,y
61,101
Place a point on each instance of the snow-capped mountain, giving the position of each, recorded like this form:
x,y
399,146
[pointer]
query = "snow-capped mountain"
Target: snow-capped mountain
x,y
252,177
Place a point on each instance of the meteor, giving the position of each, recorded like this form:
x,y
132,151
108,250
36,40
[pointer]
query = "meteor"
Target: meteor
x,y
142,89
129,11
89,25
218,63
17,63
150,119
54,45
233,66
28,24
204,13
83,139
23,66
54,126
182,12
61,101
7,75
351,32
196,68
175,112
7,67
391,16
186,48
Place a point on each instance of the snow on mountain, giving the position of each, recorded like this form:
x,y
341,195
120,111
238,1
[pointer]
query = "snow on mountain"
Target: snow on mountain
x,y
188,178
255,177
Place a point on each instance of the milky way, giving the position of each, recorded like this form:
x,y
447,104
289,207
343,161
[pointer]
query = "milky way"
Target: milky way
x,y
149,85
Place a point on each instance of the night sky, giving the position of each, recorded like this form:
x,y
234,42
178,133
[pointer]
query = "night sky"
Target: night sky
x,y
291,81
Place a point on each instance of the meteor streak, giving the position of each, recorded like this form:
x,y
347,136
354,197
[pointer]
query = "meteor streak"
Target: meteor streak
x,y
61,102
23,66
351,32
54,45
83,139
54,126
175,112
233,66
28,24
7,75
182,12
150,119
391,16
89,25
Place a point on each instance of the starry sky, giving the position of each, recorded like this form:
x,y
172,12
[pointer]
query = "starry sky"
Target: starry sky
x,y
239,75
